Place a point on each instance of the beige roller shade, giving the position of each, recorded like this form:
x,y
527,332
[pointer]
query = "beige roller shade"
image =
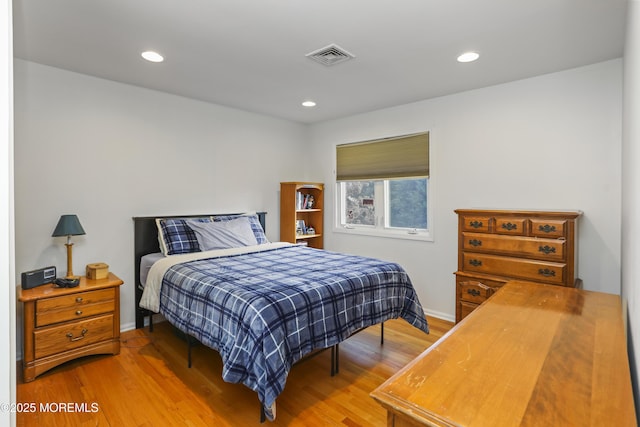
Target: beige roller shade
x,y
399,157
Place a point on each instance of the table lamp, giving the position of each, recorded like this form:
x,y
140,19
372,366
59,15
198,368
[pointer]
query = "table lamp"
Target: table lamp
x,y
69,225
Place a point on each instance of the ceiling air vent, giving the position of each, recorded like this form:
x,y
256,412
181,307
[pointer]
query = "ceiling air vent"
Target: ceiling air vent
x,y
330,55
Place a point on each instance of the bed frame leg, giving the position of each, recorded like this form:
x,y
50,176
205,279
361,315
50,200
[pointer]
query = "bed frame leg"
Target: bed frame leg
x,y
335,359
382,333
141,314
189,345
263,417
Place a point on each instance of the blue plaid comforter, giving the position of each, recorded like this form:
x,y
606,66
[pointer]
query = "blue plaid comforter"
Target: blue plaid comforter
x,y
264,311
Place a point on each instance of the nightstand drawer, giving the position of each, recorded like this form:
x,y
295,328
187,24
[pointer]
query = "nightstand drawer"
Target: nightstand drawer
x,y
74,306
57,339
546,272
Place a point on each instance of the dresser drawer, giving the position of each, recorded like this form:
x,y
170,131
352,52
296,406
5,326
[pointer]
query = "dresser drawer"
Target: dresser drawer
x,y
474,291
512,226
548,228
74,306
476,223
56,339
539,271
466,308
529,247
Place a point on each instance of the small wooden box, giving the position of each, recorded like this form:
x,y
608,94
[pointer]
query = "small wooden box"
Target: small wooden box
x,y
97,270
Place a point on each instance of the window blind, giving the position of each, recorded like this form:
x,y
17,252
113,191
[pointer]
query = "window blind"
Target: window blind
x,y
397,157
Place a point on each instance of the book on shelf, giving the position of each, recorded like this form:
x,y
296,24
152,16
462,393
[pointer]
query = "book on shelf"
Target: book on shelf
x,y
299,200
304,201
301,227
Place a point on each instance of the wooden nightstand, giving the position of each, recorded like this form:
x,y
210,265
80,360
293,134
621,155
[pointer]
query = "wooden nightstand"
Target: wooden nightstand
x,y
62,324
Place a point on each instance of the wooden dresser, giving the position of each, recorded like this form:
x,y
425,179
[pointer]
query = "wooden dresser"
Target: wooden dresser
x,y
495,246
532,355
61,324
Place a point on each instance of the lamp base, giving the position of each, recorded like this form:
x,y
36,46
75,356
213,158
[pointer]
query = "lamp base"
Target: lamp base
x,y
70,274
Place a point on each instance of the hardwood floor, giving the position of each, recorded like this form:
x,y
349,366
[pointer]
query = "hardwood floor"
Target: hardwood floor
x,y
149,384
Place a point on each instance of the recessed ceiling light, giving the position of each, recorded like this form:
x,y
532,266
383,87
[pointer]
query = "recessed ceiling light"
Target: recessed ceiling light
x,y
152,56
308,104
468,57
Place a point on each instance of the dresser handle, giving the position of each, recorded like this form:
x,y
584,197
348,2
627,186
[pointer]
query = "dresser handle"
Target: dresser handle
x,y
78,312
546,272
78,338
473,292
475,242
547,228
79,299
476,224
546,249
509,226
475,262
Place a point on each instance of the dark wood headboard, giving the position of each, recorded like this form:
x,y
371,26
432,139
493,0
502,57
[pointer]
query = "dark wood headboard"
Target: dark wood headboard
x,y
146,242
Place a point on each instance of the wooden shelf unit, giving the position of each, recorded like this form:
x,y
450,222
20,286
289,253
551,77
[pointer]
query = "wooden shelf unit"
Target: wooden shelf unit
x,y
291,212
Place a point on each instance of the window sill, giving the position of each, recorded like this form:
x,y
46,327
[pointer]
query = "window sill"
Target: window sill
x,y
423,236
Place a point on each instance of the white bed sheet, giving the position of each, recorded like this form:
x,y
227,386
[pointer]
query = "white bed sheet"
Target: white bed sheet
x,y
145,265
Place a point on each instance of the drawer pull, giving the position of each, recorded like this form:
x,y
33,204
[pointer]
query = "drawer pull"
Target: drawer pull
x,y
546,272
78,312
79,337
547,228
79,299
546,249
475,242
509,226
473,292
476,224
475,262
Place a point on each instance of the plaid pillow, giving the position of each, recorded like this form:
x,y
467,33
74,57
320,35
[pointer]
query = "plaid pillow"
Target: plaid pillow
x,y
175,237
254,221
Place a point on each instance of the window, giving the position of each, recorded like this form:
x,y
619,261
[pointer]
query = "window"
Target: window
x,y
407,203
359,203
383,187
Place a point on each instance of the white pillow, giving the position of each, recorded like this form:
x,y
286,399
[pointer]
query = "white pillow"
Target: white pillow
x,y
224,234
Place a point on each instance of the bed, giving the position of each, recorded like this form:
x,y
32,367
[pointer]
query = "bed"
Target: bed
x,y
267,305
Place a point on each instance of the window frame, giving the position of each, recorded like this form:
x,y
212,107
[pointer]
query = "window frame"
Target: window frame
x,y
381,229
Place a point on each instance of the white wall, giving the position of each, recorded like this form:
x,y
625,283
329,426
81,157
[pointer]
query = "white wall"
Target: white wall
x,y
550,142
7,281
108,151
631,189
105,151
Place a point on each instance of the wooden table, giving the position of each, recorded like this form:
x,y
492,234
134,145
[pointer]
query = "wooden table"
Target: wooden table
x,y
532,355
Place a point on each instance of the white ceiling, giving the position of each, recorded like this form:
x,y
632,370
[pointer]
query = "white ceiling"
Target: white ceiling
x,y
250,54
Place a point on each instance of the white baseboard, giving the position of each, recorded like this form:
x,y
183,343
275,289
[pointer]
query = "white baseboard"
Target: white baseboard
x,y
157,318
127,326
440,315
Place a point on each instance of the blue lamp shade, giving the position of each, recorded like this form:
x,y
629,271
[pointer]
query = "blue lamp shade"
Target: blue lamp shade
x,y
68,225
